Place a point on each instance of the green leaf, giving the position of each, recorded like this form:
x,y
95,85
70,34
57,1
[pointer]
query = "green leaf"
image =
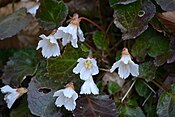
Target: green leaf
x,y
95,106
150,108
133,18
166,104
113,87
131,112
21,64
141,46
167,5
150,42
51,13
100,41
22,110
159,45
147,71
84,48
40,97
115,2
5,54
141,88
61,68
132,102
14,23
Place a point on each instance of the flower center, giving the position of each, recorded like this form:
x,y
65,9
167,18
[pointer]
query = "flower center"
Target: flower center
x,y
50,43
88,64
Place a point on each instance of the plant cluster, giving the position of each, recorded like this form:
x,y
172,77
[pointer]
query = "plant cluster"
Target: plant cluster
x,y
86,58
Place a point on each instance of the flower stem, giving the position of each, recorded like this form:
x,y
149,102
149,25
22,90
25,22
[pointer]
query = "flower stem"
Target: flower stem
x,y
92,22
99,11
128,91
109,26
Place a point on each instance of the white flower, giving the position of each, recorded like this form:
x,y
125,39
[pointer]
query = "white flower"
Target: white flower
x,y
70,33
49,46
89,87
66,97
86,68
12,94
125,65
33,9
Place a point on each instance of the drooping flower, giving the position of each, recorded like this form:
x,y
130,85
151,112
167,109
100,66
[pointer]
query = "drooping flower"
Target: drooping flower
x,y
86,68
12,94
89,87
49,46
71,32
125,65
33,9
66,97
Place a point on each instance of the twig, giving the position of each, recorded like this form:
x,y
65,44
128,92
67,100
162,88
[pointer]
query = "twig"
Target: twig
x,y
149,87
146,99
106,70
128,91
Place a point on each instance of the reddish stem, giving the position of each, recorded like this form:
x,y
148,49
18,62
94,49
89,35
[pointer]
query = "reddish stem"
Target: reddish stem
x,y
99,27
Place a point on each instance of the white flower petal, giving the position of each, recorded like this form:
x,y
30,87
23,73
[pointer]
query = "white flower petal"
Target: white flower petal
x,y
49,46
81,60
94,89
115,65
59,34
85,88
68,92
33,9
10,99
74,43
43,36
89,87
70,104
60,100
65,41
41,44
56,51
81,35
59,92
95,69
75,96
78,68
134,69
52,39
123,70
72,29
7,89
125,59
66,97
85,73
69,34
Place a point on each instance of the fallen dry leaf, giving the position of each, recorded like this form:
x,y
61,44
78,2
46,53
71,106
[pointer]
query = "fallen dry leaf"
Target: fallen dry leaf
x,y
168,20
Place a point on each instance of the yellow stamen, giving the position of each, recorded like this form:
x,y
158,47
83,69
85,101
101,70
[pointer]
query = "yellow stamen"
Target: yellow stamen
x,y
88,64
